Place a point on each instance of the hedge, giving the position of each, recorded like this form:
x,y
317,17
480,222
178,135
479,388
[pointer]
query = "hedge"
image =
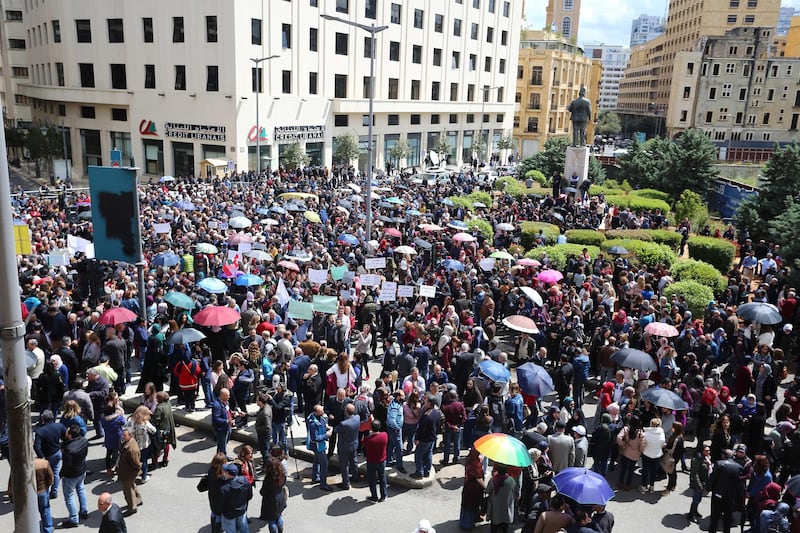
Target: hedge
x,y
661,236
536,176
637,203
485,228
647,253
653,194
697,295
531,229
717,252
701,272
585,236
483,197
510,186
466,201
558,253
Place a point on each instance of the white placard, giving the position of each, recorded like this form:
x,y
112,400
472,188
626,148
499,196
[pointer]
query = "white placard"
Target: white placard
x,y
245,247
405,291
213,224
373,263
162,228
222,225
318,276
487,264
427,291
58,257
370,280
388,291
348,294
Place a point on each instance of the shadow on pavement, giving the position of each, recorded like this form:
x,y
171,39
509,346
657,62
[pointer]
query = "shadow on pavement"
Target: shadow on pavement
x,y
346,505
675,521
192,470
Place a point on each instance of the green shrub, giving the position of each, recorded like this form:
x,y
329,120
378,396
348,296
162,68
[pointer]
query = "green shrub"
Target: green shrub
x,y
484,227
483,197
461,201
637,203
596,190
530,230
516,250
646,253
653,194
697,295
536,176
701,272
559,253
717,252
661,236
585,236
510,186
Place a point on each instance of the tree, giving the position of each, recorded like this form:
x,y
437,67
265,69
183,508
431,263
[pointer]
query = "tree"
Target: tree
x,y
294,156
786,224
400,150
691,206
37,147
691,165
608,123
504,144
441,147
596,171
638,166
551,159
346,149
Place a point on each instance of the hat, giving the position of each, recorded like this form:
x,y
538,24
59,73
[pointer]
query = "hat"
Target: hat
x,y
740,448
580,430
231,469
543,445
424,526
788,328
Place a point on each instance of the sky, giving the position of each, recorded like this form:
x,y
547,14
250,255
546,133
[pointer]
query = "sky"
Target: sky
x,y
607,22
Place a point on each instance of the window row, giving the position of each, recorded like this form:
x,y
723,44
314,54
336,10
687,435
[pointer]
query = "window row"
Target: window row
x,y
415,119
340,87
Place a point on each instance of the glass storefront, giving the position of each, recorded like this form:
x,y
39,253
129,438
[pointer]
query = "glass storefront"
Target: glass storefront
x,y
153,157
414,141
121,140
266,157
214,151
183,159
91,149
452,146
314,151
362,148
466,151
389,140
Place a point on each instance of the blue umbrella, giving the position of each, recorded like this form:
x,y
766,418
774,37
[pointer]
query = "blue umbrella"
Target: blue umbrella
x,y
534,380
262,211
583,486
295,207
457,224
452,264
248,280
166,259
495,371
413,213
278,209
448,202
213,285
347,238
186,206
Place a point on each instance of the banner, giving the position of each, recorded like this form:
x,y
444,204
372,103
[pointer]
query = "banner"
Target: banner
x,y
405,291
302,310
326,304
58,257
162,228
22,239
388,291
374,263
318,276
115,214
338,272
370,280
427,290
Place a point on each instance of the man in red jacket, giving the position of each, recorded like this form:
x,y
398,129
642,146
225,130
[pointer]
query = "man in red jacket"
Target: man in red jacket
x,y
375,449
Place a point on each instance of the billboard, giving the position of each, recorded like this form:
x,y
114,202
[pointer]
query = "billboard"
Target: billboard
x,y
115,214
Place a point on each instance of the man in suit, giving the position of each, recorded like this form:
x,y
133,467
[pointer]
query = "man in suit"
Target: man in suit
x,y
347,431
222,420
562,448
130,464
725,489
113,521
117,351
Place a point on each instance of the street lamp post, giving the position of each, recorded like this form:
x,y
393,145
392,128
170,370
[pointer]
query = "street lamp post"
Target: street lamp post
x,y
372,30
259,84
485,91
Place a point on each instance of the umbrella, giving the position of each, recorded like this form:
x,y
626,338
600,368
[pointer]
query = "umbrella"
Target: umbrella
x,y
356,198
312,217
664,398
495,371
235,213
85,215
240,222
448,202
165,179
413,213
270,222
502,254
557,216
463,237
457,224
206,248
185,336
504,449
661,329
533,295
478,204
452,264
528,262
166,259
258,255
521,323
550,276
505,226
178,299
278,209
347,238
760,312
618,250
393,232
30,360
356,188
117,315
212,285
347,204
186,206
534,380
793,485
384,218
405,250
216,315
569,190
430,227
248,280
394,200
422,243
632,358
289,265
262,211
295,208
343,210
238,238
583,486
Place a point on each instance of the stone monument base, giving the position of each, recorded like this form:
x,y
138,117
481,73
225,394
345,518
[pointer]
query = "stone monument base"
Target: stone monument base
x,y
577,160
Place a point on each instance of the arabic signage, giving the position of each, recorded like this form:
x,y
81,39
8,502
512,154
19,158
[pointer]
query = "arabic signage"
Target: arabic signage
x,y
197,132
299,133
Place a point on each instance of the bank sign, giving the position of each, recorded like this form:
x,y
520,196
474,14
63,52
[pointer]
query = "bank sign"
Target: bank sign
x,y
179,130
299,133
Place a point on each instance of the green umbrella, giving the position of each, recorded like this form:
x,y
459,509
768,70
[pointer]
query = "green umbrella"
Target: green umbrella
x,y
502,255
178,299
206,248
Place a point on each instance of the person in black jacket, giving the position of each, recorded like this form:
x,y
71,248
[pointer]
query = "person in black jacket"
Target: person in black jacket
x,y
313,389
47,445
724,485
234,493
73,474
601,445
113,521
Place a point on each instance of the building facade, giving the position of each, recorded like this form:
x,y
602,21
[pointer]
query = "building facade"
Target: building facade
x,y
14,65
172,84
614,61
645,28
785,19
563,16
550,74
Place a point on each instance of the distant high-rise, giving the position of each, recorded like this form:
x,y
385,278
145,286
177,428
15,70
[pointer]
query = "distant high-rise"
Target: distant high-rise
x,y
785,19
645,28
614,59
563,16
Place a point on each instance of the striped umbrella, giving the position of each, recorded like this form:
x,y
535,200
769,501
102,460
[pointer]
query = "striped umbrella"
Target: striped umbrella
x,y
503,448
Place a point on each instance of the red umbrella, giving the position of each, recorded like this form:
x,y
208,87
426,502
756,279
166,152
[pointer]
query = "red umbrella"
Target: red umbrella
x,y
216,315
117,315
393,232
661,329
289,265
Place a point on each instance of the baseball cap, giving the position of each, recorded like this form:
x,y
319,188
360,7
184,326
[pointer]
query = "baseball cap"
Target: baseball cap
x,y
231,469
580,430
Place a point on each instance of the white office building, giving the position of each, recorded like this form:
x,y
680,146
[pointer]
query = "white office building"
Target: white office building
x,y
14,65
646,28
171,84
614,60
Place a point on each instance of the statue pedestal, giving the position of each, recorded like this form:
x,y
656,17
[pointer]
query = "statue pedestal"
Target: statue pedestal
x,y
577,160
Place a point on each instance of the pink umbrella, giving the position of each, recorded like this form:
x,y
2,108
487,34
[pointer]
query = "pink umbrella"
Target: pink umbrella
x,y
521,323
661,329
430,227
117,315
216,315
550,276
393,232
528,262
238,238
463,237
289,265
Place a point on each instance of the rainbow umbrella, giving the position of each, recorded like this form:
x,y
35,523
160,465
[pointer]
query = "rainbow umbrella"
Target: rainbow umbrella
x,y
504,449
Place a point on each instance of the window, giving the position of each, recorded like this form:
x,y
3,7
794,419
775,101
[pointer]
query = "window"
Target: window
x,y
715,70
453,118
506,9
415,119
313,39
752,3
476,4
16,44
473,33
370,9
56,31
83,27
456,62
712,93
368,47
435,118
13,16
416,54
435,87
180,77
492,6
453,92
749,19
418,18
257,79
534,101
178,35
341,44
684,115
504,38
312,82
709,116
211,29
536,76
22,72
487,64
365,87
340,120
568,5
394,84
438,24
116,33
340,86
342,6
149,76
119,114
395,15
212,78
473,62
502,66
726,90
87,74
687,91
533,125
732,19
87,111
457,27
733,4
119,78
566,27
286,81
147,29
255,32
470,118
394,51
415,89
765,119
739,117
745,70
730,68
59,74
489,35
471,92
437,57
393,120
286,36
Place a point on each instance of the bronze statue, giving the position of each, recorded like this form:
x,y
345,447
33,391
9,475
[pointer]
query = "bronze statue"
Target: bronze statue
x,y
581,110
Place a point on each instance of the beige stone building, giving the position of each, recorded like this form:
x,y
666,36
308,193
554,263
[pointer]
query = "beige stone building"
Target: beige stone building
x,y
563,16
550,73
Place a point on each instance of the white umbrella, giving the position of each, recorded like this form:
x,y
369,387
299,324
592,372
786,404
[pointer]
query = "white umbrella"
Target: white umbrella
x,y
240,222
533,295
258,255
270,222
356,188
405,250
505,226
165,179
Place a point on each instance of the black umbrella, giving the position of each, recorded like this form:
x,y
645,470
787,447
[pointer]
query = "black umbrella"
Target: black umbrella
x,y
793,486
384,218
664,398
422,243
760,312
632,358
385,205
557,216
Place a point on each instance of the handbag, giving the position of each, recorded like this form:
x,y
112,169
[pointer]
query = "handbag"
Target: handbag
x,y
330,385
202,485
668,460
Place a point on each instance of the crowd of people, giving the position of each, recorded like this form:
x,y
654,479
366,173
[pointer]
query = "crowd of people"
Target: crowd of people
x,y
425,387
